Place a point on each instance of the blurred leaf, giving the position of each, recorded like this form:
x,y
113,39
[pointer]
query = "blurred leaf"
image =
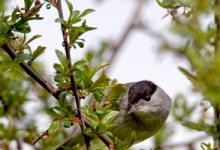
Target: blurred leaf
x,y
28,4
192,78
40,50
173,3
97,144
109,117
54,126
199,126
70,6
22,57
86,12
32,39
205,146
116,92
97,68
67,123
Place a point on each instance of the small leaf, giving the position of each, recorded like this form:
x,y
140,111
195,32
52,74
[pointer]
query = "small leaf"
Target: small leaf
x,y
86,12
116,92
199,126
103,80
100,127
58,68
109,117
97,68
62,58
24,28
22,57
80,64
60,20
62,99
28,4
70,6
192,78
54,126
40,50
32,39
66,123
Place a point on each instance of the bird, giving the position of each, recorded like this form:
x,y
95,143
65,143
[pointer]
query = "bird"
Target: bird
x,y
144,109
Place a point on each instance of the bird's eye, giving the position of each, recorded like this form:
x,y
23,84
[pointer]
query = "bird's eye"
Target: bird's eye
x,y
147,98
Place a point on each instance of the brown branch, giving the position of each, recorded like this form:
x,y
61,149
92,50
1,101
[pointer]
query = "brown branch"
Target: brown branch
x,y
132,23
72,79
217,123
33,73
19,145
45,133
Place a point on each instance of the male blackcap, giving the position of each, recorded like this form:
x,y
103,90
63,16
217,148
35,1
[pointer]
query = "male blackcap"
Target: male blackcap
x,y
143,111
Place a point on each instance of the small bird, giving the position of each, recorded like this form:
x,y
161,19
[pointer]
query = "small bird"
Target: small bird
x,y
143,110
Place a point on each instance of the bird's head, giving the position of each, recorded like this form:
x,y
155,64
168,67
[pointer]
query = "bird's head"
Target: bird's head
x,y
148,103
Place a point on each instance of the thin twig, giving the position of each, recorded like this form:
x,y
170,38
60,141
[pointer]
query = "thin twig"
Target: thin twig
x,y
72,79
132,23
33,73
19,146
45,133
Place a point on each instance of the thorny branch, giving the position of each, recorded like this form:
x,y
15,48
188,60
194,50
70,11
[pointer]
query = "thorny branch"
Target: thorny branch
x,y
33,73
72,79
52,90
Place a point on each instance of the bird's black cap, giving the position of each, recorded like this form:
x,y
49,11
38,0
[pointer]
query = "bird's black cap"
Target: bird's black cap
x,y
141,90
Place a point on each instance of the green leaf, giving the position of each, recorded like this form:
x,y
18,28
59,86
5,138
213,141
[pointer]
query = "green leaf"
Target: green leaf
x,y
116,92
40,50
70,6
80,64
62,58
98,94
74,18
199,126
54,126
60,78
102,81
32,39
86,12
27,4
192,78
109,117
58,68
100,127
66,123
62,99
173,3
60,20
25,28
97,144
22,57
97,68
